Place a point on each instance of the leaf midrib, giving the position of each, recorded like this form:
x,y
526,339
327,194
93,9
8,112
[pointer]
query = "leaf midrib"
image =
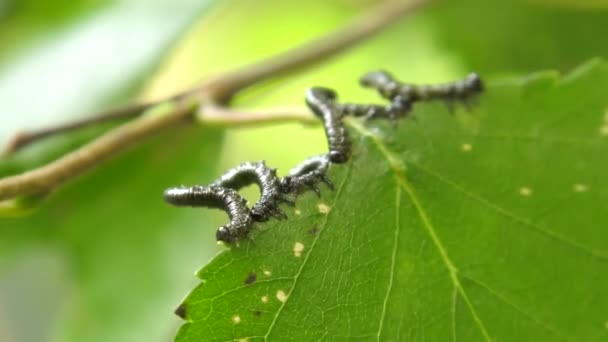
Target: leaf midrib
x,y
426,222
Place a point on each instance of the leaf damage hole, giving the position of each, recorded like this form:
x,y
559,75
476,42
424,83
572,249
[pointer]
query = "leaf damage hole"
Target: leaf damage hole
x,y
181,311
324,208
281,296
243,339
297,212
267,273
298,248
236,319
525,191
264,299
466,147
578,187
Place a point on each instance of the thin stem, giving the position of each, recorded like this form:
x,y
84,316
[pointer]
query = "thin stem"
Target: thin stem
x,y
213,115
92,154
218,90
22,139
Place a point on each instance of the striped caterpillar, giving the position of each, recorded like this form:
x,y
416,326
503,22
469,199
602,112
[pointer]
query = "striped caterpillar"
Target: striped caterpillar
x,y
218,198
222,193
406,93
321,102
306,175
402,96
268,182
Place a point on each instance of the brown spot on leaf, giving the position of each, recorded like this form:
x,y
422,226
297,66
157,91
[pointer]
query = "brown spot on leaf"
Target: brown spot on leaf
x,y
314,231
251,278
257,313
181,311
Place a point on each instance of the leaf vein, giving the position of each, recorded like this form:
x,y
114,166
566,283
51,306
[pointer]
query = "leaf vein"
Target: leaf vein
x,y
508,214
305,261
393,262
501,298
426,222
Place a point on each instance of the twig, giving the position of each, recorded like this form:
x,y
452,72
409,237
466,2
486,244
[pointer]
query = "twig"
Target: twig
x,y
22,139
218,90
213,115
92,154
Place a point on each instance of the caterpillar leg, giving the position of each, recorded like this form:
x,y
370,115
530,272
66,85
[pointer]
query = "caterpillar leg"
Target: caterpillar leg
x,y
321,102
307,175
270,195
217,198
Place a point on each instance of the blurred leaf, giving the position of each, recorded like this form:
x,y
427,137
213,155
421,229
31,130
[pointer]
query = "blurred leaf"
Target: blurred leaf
x,y
22,22
520,36
129,254
573,4
101,58
478,226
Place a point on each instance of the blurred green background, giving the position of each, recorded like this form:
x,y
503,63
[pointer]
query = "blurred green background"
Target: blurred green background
x,y
103,259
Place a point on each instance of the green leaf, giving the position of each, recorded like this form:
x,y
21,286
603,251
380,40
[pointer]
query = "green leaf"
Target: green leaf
x,y
521,35
23,22
486,225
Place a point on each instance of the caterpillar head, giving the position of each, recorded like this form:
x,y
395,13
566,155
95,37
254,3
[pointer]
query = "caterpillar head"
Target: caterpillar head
x,y
223,234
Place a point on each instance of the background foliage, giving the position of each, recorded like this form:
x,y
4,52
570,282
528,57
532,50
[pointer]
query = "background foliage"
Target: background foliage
x,y
104,259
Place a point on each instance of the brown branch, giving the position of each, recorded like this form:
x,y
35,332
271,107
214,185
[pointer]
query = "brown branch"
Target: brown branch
x,y
217,90
92,154
22,139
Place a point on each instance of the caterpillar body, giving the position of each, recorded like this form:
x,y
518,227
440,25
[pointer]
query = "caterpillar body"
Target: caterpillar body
x,y
215,197
396,91
321,102
306,175
270,193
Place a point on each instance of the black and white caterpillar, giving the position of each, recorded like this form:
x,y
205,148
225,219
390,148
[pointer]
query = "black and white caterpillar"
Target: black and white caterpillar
x,y
407,94
266,179
216,197
223,193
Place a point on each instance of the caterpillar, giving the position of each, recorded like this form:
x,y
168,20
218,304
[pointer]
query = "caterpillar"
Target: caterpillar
x,y
307,175
398,92
215,197
321,102
393,112
222,193
268,182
